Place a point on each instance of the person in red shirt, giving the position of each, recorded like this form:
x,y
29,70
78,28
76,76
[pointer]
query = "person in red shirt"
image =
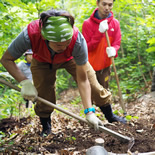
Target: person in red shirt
x,y
99,54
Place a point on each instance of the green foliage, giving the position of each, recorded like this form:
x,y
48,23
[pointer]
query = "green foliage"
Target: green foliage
x,y
129,117
76,100
97,114
3,140
9,104
64,81
70,139
10,100
2,135
81,10
137,61
151,43
82,113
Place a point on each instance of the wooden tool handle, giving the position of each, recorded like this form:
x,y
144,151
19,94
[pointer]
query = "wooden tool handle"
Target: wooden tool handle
x,y
101,128
116,76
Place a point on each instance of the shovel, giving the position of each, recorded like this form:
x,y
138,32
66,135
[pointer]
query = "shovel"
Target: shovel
x,y
101,128
116,76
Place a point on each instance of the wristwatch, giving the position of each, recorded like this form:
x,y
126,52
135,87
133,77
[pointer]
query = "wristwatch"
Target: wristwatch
x,y
89,109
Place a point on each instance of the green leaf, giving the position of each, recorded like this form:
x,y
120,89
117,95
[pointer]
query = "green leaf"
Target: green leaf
x,y
151,41
128,117
135,117
150,49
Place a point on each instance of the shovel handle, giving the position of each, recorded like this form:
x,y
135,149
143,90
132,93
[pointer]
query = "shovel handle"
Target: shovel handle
x,y
116,76
101,128
45,101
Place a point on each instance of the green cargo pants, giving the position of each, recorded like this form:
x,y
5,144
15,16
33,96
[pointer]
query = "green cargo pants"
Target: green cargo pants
x,y
44,77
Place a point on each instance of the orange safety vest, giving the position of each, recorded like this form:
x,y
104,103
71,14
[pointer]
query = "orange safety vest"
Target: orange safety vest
x,y
98,57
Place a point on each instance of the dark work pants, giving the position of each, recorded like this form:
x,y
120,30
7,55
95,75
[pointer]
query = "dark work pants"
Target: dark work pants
x,y
44,77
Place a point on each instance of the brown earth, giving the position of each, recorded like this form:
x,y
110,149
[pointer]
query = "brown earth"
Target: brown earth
x,y
70,137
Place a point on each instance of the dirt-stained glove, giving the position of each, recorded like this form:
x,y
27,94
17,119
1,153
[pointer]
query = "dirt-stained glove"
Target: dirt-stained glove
x,y
91,118
111,51
103,26
28,91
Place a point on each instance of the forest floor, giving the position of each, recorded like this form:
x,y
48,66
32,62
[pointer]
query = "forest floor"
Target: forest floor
x,y
70,137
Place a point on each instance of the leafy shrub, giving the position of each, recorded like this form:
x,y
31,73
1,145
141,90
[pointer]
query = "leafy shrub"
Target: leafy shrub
x,y
64,81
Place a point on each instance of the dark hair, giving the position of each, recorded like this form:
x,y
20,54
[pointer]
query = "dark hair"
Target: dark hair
x,y
46,14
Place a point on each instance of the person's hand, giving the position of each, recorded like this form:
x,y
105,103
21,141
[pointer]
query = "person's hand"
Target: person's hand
x,y
111,51
91,118
28,91
103,26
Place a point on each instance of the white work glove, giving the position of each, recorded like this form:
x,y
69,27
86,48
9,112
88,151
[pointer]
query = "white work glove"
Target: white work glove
x,y
103,26
28,91
111,51
91,118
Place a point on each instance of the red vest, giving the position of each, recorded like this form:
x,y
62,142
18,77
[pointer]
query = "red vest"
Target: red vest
x,y
39,47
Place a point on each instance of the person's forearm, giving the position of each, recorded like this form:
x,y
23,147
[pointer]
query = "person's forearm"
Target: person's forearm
x,y
8,62
85,92
13,70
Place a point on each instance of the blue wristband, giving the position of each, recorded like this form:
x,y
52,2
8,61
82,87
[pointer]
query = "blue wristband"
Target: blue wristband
x,y
89,109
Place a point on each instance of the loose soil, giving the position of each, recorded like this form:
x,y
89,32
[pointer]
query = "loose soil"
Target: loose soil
x,y
71,137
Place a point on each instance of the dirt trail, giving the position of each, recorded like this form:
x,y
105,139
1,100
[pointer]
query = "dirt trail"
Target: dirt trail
x,y
69,137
